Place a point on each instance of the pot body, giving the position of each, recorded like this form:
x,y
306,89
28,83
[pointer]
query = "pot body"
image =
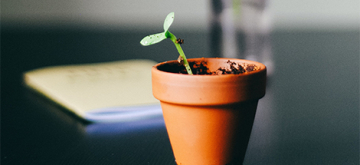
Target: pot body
x,y
209,117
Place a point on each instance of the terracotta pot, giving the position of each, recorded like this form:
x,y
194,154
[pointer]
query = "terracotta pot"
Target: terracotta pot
x,y
209,117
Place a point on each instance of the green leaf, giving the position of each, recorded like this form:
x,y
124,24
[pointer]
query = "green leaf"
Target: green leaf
x,y
153,39
168,21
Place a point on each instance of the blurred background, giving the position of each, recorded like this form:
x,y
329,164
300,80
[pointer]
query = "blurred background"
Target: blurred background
x,y
216,28
190,15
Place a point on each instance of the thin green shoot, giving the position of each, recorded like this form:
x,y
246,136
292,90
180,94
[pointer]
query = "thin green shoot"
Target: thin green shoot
x,y
156,38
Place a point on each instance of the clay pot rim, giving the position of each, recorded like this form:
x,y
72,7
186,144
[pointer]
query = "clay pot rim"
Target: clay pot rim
x,y
262,68
200,89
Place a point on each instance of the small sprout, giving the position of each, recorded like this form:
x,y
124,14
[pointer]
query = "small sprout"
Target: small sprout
x,y
151,39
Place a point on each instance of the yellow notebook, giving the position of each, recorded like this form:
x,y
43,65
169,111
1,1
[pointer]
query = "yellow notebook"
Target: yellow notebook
x,y
101,92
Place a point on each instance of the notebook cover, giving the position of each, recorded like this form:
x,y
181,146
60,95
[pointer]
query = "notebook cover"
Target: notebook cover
x,y
101,92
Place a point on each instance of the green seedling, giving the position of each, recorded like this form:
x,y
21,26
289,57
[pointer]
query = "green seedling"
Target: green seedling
x,y
156,38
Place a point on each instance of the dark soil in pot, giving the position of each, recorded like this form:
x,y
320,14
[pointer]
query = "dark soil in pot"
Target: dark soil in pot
x,y
200,68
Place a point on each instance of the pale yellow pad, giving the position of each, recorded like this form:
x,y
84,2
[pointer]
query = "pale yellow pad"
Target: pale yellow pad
x,y
93,87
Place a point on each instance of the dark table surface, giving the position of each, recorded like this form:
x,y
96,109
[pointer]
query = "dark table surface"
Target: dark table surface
x,y
310,114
